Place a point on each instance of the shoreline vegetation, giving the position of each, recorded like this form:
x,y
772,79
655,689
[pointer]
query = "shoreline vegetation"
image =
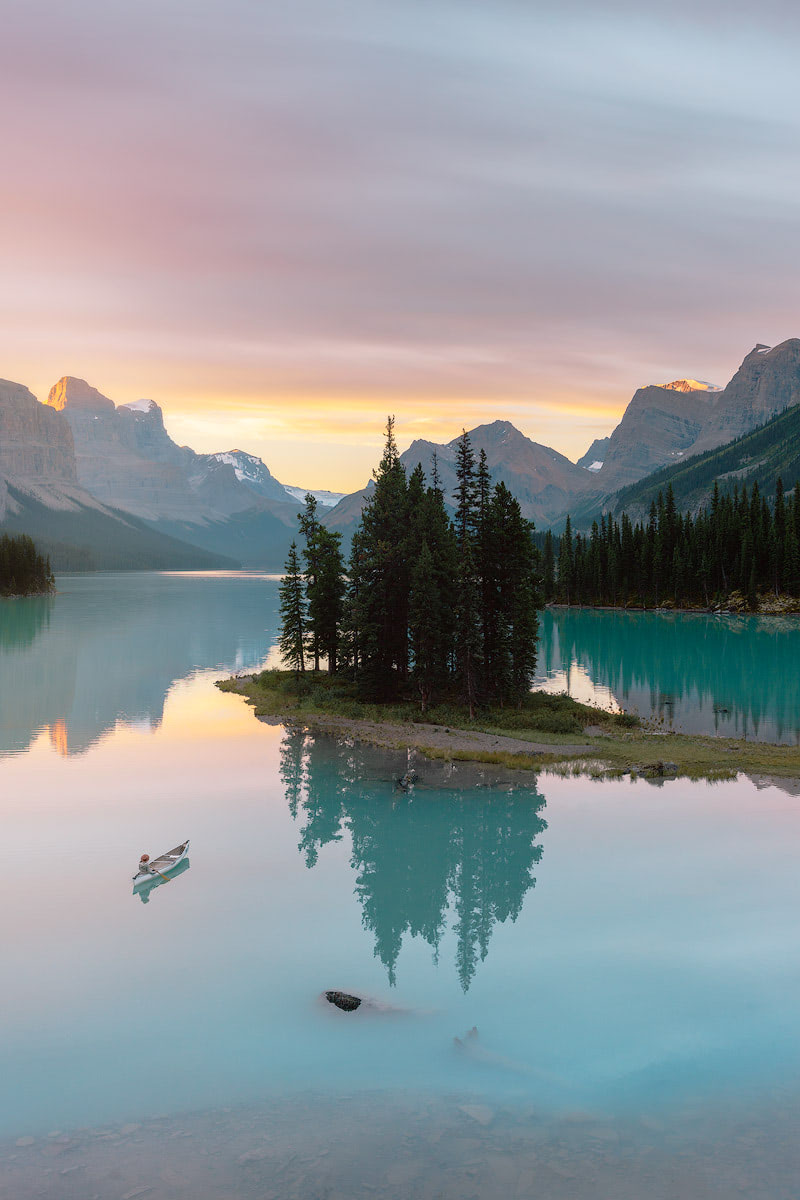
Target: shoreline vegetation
x,y
23,571
552,732
766,605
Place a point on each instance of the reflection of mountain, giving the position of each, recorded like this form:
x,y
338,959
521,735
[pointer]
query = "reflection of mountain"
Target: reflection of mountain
x,y
108,649
702,673
416,855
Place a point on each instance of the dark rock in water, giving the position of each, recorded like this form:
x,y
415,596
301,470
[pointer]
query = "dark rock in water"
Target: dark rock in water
x,y
407,781
343,1000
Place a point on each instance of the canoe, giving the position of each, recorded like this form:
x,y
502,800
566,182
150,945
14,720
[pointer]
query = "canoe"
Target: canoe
x,y
162,865
145,885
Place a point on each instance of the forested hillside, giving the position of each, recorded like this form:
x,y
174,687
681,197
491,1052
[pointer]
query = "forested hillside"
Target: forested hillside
x,y
767,454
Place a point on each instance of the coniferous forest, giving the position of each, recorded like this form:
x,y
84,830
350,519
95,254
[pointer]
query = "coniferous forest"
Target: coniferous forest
x,y
739,544
427,605
23,571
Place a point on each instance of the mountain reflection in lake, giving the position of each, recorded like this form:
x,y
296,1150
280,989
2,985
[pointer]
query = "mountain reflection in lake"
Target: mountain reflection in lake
x,y
415,855
108,648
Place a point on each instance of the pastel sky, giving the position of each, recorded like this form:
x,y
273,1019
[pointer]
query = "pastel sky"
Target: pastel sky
x,y
284,220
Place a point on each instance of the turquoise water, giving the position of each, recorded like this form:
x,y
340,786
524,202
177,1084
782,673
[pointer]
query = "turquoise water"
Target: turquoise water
x,y
736,676
621,948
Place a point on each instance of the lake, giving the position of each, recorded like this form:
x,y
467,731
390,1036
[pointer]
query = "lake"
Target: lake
x,y
627,955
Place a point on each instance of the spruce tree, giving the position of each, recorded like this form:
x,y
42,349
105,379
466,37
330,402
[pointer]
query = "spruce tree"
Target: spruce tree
x,y
424,618
469,648
384,578
566,565
291,637
548,569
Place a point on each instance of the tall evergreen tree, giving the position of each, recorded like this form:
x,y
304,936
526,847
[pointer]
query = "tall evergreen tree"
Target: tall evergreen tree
x,y
548,569
384,578
469,647
291,593
424,619
566,577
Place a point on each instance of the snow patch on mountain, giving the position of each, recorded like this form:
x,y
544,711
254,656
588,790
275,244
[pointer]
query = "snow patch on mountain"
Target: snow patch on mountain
x,y
142,406
246,467
323,497
595,466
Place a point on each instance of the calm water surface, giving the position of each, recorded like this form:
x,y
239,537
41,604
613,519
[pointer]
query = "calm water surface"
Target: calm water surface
x,y
628,954
736,676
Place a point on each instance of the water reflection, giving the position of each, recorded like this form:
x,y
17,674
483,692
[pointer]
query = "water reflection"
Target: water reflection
x,y
108,648
21,620
470,851
702,673
145,890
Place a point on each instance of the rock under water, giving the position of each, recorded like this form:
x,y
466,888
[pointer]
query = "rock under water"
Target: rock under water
x,y
343,1000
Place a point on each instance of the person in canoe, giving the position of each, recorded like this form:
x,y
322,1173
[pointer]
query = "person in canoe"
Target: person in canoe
x,y
144,865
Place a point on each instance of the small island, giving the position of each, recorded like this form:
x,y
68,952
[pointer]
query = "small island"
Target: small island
x,y
430,637
23,570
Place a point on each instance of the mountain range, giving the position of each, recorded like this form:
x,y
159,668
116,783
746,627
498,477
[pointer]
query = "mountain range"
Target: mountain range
x,y
102,485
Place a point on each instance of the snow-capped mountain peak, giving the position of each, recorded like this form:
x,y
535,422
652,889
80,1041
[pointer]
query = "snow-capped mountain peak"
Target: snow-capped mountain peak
x,y
690,385
250,470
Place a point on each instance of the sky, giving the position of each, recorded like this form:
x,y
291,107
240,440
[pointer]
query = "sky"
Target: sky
x,y
283,221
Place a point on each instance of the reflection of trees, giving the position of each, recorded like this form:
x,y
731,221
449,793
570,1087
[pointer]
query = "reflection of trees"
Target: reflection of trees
x,y
712,673
21,620
416,854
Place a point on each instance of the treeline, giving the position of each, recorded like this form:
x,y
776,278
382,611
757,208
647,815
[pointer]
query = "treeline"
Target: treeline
x,y
23,571
740,543
427,603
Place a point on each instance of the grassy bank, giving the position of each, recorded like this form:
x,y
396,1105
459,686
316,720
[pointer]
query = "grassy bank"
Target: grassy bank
x,y
553,731
557,719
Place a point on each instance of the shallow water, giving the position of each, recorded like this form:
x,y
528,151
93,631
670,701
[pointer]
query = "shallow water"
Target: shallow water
x,y
628,954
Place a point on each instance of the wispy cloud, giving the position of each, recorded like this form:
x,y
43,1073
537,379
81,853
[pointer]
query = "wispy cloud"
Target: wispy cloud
x,y
455,211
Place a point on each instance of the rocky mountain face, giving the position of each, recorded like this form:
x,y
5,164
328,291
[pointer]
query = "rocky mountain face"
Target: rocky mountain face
x,y
126,458
251,472
659,425
767,383
666,423
37,458
594,457
56,458
35,443
763,456
124,455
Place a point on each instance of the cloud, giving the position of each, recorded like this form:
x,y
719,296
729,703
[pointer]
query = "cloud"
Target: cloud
x,y
359,203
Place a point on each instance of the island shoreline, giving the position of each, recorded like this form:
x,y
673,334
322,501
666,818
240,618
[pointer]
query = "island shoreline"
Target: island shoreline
x,y
655,756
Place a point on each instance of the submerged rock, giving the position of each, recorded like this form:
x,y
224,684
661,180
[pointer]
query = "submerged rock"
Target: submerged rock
x,y
343,1000
407,781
